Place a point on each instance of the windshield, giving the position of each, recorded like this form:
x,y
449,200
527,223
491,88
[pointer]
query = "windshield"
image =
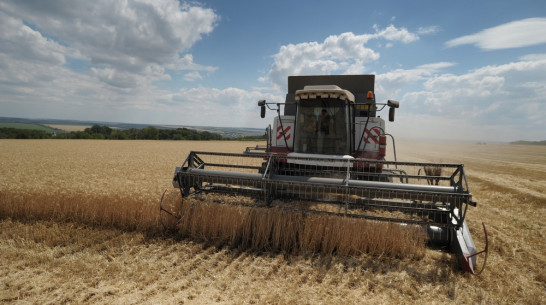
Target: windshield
x,y
322,127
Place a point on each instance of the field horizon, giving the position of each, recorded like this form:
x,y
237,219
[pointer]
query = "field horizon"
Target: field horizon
x,y
67,125
75,227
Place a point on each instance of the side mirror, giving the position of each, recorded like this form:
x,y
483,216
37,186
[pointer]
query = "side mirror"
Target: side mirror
x,y
261,103
392,105
391,114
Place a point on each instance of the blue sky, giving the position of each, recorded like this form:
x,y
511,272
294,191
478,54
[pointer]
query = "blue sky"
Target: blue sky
x,y
462,70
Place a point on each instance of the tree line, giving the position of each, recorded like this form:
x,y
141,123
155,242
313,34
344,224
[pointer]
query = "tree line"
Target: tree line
x,y
105,132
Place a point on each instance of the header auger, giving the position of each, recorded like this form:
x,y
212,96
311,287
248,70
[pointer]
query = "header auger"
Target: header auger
x,y
328,149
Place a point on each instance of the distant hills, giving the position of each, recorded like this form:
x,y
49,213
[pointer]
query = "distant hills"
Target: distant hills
x,y
529,142
226,132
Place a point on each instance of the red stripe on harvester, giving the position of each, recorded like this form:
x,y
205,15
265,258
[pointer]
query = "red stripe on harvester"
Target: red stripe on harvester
x,y
283,132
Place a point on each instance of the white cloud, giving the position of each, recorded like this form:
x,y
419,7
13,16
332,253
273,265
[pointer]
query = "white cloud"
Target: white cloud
x,y
394,34
516,34
435,66
125,47
186,63
22,42
125,41
344,53
192,76
533,57
230,107
505,97
123,79
428,30
389,85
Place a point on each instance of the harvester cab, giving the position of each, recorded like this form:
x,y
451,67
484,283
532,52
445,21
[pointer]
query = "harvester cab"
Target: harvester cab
x,y
335,117
328,149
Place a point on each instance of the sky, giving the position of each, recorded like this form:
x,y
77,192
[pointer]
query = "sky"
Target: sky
x,y
461,70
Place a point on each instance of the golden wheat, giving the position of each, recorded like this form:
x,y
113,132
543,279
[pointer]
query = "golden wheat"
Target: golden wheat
x,y
276,229
79,181
100,182
94,182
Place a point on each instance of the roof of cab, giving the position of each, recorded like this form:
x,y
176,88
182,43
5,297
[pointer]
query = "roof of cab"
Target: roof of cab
x,y
324,91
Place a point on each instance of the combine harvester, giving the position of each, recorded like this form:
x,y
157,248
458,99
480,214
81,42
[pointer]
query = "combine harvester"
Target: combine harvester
x,y
328,148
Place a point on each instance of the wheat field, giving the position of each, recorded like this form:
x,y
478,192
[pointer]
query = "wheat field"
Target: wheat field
x,y
79,224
